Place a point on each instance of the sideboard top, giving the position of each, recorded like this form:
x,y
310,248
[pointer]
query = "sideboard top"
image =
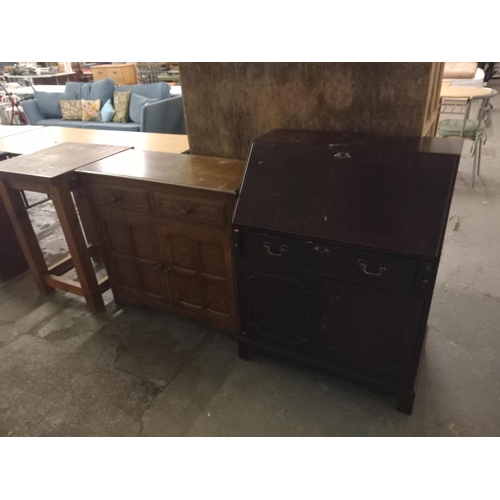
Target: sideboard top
x,y
203,172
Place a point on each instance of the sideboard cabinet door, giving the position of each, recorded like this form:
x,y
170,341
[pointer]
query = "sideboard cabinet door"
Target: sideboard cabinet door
x,y
369,331
133,252
200,274
279,306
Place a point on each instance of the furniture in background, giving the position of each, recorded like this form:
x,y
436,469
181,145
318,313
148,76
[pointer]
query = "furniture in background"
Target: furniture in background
x,y
467,128
83,73
47,79
164,223
337,240
165,115
51,171
122,74
466,74
45,137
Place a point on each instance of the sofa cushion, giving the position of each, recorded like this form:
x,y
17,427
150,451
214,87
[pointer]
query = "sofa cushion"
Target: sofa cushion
x,y
102,89
131,126
107,112
91,111
160,90
48,102
71,110
121,103
59,122
75,87
137,102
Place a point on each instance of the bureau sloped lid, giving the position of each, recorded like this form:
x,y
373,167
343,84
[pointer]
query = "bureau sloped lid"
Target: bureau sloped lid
x,y
353,192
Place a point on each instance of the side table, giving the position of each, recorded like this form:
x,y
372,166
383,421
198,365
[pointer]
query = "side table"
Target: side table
x,y
51,171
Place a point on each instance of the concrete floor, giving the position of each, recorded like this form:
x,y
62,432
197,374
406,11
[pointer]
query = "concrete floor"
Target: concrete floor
x,y
142,372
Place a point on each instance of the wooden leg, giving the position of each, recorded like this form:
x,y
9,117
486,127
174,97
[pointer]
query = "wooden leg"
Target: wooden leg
x,y
26,236
65,208
85,216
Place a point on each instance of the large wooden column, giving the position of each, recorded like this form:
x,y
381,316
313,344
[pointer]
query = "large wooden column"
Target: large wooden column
x,y
229,104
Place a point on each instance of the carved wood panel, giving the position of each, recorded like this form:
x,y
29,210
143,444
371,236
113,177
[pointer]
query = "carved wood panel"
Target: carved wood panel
x,y
133,252
200,273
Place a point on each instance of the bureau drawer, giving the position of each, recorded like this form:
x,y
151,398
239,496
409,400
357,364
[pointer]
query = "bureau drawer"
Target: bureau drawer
x,y
99,74
195,210
356,266
135,200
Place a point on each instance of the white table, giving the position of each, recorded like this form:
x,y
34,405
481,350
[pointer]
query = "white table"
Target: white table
x,y
39,88
46,75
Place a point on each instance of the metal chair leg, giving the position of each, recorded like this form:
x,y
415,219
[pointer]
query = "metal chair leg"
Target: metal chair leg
x,y
474,157
479,156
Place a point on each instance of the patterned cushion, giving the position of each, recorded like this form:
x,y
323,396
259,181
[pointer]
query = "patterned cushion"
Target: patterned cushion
x,y
48,102
121,101
91,111
71,110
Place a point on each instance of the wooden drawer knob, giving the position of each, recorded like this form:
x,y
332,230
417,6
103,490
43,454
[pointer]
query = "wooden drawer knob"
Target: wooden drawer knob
x,y
116,199
187,210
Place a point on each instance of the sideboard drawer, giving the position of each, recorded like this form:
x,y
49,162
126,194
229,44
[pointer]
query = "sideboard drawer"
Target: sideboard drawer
x,y
356,266
121,198
192,210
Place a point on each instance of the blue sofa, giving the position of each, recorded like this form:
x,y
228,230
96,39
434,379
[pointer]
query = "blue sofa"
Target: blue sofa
x,y
166,115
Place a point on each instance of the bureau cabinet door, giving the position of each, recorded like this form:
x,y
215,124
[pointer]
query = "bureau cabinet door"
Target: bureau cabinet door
x,y
369,331
200,274
132,251
279,306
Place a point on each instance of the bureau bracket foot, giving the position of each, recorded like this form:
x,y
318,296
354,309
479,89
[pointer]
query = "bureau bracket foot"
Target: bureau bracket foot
x,y
244,351
405,404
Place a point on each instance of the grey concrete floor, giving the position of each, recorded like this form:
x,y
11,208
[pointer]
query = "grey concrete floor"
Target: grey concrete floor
x,y
141,372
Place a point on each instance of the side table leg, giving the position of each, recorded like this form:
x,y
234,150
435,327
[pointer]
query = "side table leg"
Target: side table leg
x,y
85,216
65,208
26,236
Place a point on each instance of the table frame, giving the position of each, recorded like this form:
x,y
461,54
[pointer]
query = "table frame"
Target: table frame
x,y
81,247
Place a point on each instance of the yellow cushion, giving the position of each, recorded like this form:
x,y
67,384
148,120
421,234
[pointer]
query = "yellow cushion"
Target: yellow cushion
x,y
91,111
71,110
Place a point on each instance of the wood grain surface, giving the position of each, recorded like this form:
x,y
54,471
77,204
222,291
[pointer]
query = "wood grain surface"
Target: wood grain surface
x,y
55,163
218,174
229,104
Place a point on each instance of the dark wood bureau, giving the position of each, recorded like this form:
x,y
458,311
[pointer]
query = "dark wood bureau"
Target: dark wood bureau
x,y
164,224
337,243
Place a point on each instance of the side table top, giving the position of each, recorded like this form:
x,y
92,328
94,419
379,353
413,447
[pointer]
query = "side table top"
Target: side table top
x,y
51,165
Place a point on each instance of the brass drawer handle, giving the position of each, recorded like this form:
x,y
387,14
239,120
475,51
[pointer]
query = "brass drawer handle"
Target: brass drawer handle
x,y
363,264
283,249
187,210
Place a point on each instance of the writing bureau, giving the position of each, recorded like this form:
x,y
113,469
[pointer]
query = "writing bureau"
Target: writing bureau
x,y
164,225
337,242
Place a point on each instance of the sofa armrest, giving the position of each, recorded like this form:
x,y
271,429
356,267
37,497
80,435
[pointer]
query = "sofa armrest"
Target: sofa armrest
x,y
30,108
164,117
